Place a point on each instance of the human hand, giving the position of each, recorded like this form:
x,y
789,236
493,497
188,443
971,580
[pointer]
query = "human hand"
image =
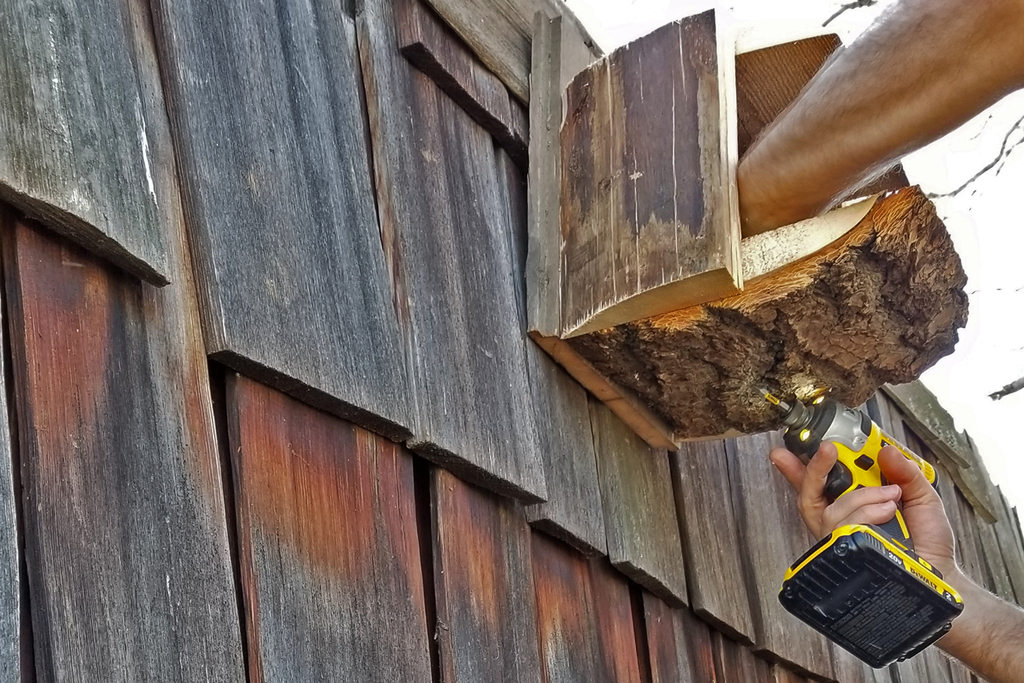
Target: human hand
x,y
922,507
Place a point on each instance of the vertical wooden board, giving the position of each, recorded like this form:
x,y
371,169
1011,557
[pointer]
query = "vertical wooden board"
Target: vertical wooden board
x,y
75,127
127,548
543,283
704,501
649,221
927,667
482,572
1009,544
584,617
639,512
992,558
275,165
438,52
679,644
573,510
446,233
328,546
773,535
735,663
10,561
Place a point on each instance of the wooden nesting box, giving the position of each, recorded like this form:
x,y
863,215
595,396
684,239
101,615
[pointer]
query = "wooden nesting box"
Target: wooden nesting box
x,y
639,281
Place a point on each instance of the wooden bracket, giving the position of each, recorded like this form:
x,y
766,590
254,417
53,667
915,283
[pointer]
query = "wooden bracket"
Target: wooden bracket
x,y
638,281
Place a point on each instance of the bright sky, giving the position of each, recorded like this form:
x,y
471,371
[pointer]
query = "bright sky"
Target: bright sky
x,y
984,220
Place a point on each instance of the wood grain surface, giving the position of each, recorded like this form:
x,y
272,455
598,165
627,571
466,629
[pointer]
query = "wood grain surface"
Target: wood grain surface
x,y
499,34
735,663
679,644
773,535
11,641
276,167
328,545
849,669
573,510
441,54
79,101
1007,532
584,617
711,538
543,265
649,218
700,368
639,510
128,558
448,247
486,623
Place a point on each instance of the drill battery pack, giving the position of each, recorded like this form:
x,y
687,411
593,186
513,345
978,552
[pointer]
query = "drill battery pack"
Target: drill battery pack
x,y
876,599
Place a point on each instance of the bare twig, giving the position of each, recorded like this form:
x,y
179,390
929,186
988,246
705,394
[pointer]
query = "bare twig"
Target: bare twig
x,y
856,4
1010,388
1004,152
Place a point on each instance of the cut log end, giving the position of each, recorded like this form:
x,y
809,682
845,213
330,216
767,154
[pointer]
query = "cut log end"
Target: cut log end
x,y
880,305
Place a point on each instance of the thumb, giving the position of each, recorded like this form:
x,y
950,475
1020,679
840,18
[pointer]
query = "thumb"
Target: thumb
x,y
899,469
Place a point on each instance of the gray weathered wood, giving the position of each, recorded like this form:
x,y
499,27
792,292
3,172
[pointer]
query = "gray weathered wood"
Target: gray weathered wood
x,y
1010,546
650,220
128,554
10,584
545,235
715,570
499,33
773,536
76,127
442,55
446,232
486,625
930,420
639,512
328,544
275,161
573,510
679,644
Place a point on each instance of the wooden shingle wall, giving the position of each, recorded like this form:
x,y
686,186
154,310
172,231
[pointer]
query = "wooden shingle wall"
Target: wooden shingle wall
x,y
327,449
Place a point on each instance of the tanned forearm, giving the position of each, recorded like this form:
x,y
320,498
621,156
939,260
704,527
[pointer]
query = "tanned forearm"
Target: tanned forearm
x,y
988,636
923,69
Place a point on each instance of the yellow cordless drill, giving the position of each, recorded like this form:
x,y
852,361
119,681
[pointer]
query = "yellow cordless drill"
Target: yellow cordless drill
x,y
862,586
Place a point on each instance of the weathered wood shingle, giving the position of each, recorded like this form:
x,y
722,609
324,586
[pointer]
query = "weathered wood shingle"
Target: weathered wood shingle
x,y
446,233
77,86
266,101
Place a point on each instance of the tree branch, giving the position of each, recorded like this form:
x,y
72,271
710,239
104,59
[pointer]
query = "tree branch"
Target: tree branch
x,y
856,4
1004,152
1010,388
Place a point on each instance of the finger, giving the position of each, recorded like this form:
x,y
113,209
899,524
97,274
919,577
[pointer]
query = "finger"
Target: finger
x,y
879,513
847,504
791,466
813,486
905,473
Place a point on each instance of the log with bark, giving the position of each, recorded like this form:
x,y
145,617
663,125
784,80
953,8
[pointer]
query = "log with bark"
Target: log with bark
x,y
880,304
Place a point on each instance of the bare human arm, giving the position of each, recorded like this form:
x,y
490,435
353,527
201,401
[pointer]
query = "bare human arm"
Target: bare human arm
x,y
924,68
989,635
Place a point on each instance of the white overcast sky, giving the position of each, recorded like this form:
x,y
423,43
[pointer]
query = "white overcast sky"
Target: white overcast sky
x,y
985,220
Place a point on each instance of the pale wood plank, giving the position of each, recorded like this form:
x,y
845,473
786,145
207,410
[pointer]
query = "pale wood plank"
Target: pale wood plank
x,y
11,642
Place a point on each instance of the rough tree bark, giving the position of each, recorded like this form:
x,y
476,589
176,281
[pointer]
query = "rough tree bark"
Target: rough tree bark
x,y
879,305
